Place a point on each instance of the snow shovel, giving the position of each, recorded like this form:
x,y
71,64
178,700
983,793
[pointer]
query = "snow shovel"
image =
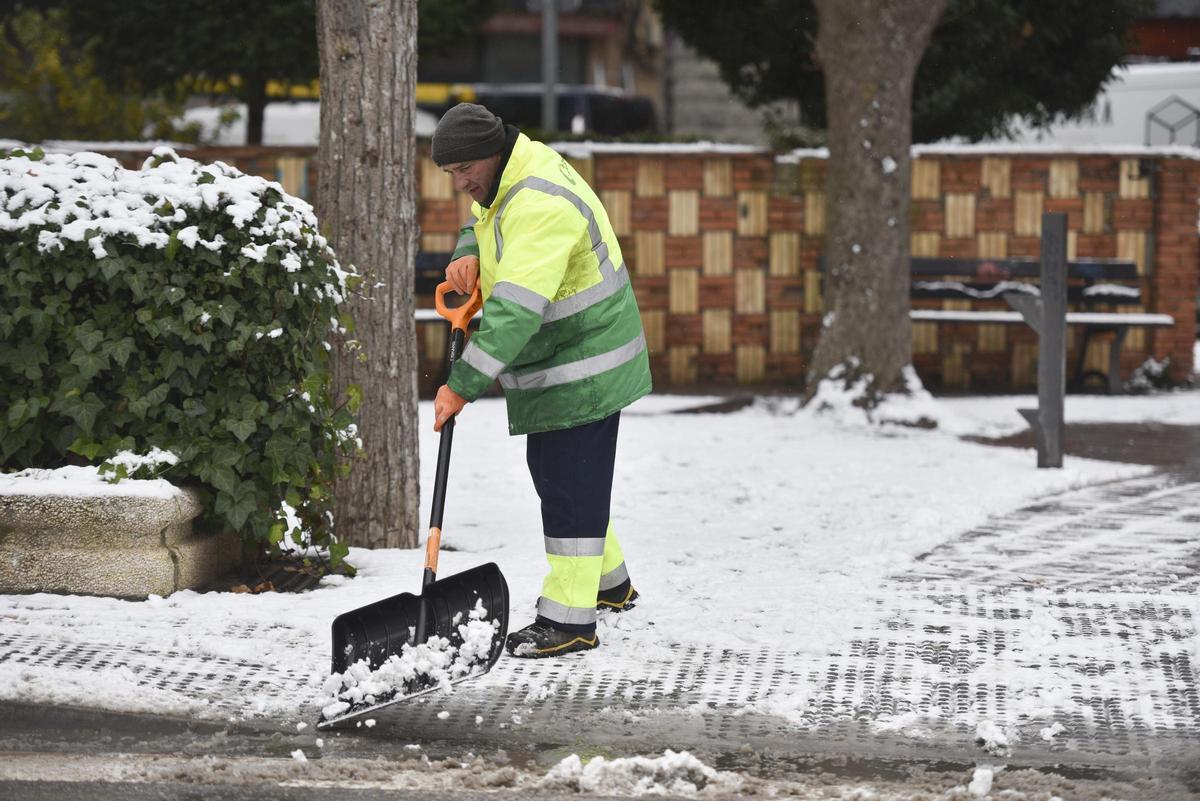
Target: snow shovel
x,y
388,634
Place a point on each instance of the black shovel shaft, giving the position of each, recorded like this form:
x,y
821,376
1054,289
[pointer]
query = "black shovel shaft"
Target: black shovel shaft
x,y
443,460
457,337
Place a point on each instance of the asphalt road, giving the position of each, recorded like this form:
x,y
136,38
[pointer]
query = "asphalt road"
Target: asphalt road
x,y
65,754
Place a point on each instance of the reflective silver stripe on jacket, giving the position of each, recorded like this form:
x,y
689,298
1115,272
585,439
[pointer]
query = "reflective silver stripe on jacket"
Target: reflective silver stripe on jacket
x,y
573,371
525,298
466,235
550,188
614,577
481,360
599,246
611,284
561,613
575,546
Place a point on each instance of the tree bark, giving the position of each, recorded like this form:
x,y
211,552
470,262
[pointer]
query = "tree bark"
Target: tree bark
x,y
367,206
869,51
256,108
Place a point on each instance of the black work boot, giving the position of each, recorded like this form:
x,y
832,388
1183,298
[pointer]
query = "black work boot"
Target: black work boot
x,y
538,640
619,599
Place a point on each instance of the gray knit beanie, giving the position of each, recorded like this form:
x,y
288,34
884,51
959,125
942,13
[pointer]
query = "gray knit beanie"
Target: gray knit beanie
x,y
465,133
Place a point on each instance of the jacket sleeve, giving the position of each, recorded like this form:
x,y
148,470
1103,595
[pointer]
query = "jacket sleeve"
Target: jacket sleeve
x,y
467,244
537,240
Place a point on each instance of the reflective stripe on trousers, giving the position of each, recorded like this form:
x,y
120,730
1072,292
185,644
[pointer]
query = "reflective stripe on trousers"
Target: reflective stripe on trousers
x,y
572,472
569,590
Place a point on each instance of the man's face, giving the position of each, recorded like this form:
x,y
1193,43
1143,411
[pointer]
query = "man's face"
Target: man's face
x,y
474,177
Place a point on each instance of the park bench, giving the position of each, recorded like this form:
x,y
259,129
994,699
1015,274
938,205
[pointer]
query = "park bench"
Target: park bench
x,y
1090,283
429,270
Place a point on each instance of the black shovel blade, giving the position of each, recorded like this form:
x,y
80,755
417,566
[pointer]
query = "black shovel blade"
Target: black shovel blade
x,y
378,630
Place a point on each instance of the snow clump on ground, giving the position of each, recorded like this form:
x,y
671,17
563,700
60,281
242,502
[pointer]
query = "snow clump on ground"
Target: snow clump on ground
x,y
670,774
845,401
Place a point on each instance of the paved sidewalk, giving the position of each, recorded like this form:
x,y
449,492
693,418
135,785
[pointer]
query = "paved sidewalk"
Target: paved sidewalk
x,y
1099,585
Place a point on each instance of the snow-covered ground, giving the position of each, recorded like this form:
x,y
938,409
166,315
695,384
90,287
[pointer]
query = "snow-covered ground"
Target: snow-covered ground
x,y
763,526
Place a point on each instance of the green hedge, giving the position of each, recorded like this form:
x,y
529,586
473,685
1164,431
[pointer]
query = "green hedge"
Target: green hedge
x,y
183,306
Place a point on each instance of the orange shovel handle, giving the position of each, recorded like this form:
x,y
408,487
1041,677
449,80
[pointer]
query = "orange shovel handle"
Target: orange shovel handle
x,y
459,317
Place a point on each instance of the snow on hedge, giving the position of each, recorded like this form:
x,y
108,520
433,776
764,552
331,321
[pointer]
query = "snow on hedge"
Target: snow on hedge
x,y
87,197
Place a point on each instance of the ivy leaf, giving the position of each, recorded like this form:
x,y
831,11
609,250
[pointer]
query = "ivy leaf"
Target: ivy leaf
x,y
82,409
242,429
337,553
87,448
110,266
88,338
121,350
89,364
169,362
225,479
17,412
237,504
279,450
354,398
26,361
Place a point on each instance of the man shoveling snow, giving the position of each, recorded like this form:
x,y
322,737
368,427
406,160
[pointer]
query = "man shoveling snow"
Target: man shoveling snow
x,y
562,332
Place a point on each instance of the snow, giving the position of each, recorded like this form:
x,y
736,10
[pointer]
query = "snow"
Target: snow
x,y
996,416
670,774
82,481
992,738
818,508
1114,290
76,145
132,461
89,198
1015,149
1052,731
583,150
981,781
994,291
1074,318
436,662
834,400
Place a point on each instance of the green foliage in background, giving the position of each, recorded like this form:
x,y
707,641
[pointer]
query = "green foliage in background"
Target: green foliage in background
x,y
185,307
49,90
230,48
987,62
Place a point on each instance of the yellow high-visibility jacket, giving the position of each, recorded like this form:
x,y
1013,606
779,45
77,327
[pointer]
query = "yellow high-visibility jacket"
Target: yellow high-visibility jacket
x,y
561,328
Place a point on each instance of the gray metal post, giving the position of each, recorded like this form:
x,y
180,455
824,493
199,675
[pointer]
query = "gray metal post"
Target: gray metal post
x,y
1049,319
549,65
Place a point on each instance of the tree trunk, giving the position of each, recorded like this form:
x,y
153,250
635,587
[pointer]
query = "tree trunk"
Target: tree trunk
x,y
256,107
869,51
367,206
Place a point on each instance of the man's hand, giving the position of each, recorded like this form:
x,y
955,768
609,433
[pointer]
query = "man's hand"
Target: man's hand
x,y
463,273
447,404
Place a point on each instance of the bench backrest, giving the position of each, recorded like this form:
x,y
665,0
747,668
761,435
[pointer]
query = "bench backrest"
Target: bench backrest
x,y
430,270
1000,269
991,278
982,275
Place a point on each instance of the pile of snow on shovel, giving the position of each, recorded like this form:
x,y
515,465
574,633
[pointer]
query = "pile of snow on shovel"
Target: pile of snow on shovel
x,y
436,662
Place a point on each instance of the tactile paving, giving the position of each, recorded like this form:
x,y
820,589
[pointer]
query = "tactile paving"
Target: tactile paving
x,y
1078,610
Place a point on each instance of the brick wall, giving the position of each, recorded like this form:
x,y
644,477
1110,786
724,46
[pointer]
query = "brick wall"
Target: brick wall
x,y
723,249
